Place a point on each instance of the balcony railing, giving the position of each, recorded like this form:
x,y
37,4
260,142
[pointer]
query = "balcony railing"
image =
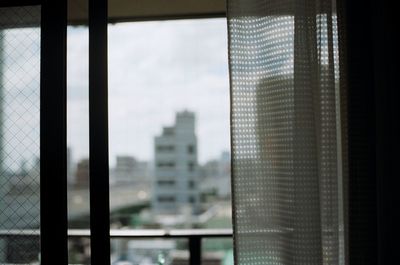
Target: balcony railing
x,y
194,236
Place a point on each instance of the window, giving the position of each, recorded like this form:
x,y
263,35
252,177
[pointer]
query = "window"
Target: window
x,y
191,184
163,126
134,149
166,182
191,166
169,107
165,164
190,149
166,199
19,135
192,199
165,148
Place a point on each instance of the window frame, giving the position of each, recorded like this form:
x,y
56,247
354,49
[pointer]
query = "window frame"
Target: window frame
x,y
53,127
53,145
53,137
98,131
53,122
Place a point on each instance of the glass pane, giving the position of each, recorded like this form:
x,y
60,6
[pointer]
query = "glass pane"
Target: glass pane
x,y
19,135
217,251
169,124
78,141
149,251
79,250
78,128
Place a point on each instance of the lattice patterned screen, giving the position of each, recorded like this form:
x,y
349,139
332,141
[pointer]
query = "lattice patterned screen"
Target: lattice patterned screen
x,y
286,132
19,134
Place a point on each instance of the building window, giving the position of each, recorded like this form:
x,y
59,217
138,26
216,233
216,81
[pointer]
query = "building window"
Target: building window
x,y
166,164
192,199
166,182
161,116
164,199
190,149
191,166
165,148
191,184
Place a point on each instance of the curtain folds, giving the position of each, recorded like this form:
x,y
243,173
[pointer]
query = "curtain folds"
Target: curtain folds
x,y
288,129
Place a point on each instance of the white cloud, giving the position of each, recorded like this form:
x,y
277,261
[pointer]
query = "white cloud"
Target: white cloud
x,y
155,69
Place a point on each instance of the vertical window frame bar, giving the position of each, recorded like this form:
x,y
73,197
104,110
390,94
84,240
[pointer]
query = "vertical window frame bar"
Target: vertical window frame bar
x,y
195,250
98,133
356,18
53,136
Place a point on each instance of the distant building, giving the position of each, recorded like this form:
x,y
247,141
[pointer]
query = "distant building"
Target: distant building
x,y
182,257
216,176
210,169
225,164
150,251
124,169
176,168
217,168
130,170
70,169
82,173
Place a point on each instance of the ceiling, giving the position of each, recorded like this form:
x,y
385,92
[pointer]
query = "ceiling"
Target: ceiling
x,y
120,11
133,10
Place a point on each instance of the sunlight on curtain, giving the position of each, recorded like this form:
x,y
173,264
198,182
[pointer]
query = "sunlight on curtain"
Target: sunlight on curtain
x,y
286,132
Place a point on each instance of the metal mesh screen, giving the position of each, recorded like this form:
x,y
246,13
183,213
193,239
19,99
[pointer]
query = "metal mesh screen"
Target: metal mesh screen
x,y
19,134
286,132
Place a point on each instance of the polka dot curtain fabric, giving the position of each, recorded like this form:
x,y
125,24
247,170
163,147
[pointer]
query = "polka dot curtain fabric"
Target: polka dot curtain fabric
x,y
286,132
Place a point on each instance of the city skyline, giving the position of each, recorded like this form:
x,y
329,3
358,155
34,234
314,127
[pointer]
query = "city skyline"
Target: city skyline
x,y
74,162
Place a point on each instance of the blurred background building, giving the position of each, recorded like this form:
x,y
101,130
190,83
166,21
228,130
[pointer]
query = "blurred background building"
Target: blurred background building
x,y
175,187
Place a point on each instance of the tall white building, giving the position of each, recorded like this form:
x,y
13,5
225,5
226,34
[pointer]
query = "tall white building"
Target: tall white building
x,y
176,168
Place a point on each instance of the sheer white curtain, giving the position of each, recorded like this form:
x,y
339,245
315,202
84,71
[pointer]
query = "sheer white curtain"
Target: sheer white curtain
x,y
288,130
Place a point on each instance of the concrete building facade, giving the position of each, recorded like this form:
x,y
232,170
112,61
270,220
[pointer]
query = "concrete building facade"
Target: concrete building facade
x,y
175,187
129,170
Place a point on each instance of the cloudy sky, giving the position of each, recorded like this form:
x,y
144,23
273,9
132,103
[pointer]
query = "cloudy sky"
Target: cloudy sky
x,y
19,97
155,70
